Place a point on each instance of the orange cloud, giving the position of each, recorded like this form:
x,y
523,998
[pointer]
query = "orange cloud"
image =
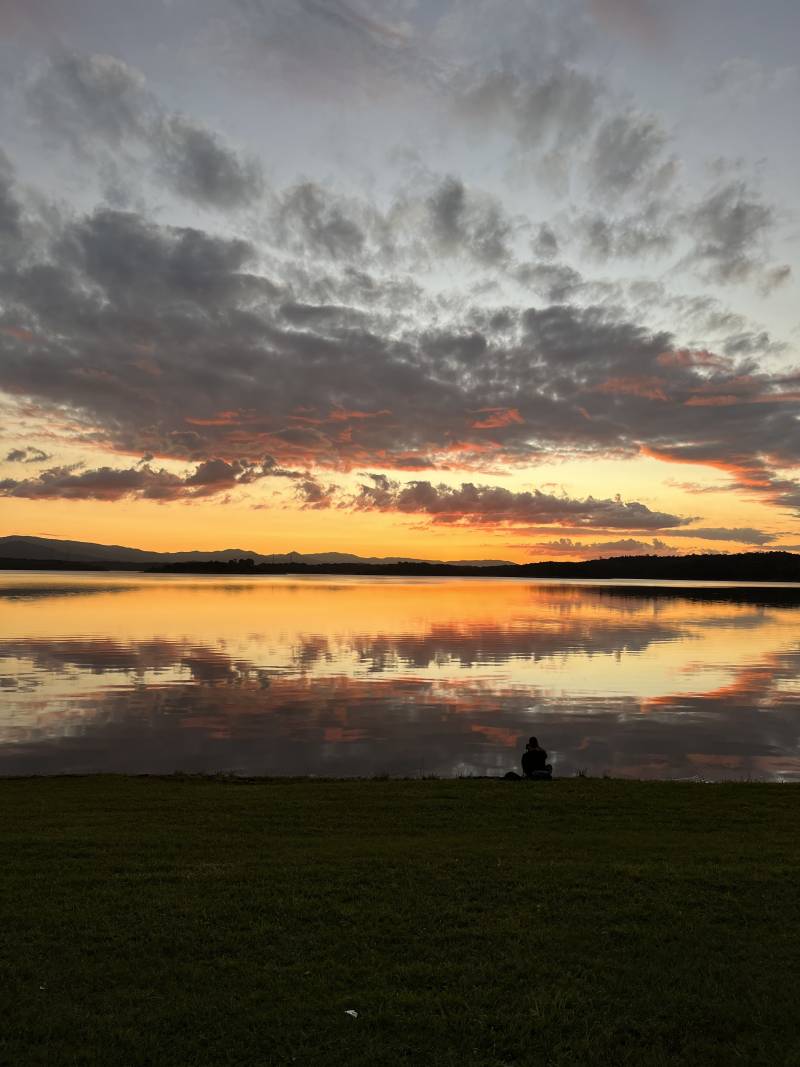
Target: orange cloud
x,y
343,415
497,417
650,388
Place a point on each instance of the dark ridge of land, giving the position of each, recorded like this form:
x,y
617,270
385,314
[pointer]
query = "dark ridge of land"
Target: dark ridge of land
x,y
736,567
733,567
40,553
467,923
11,563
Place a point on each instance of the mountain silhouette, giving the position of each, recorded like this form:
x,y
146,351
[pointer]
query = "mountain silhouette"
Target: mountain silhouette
x,y
42,553
23,547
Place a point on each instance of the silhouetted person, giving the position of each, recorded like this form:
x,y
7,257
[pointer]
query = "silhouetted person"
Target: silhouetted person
x,y
534,759
534,764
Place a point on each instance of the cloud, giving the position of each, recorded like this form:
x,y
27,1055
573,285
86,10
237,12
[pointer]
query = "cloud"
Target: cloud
x,y
651,231
97,102
10,208
551,114
544,244
463,221
111,315
490,504
198,166
345,47
730,227
555,282
29,454
308,217
628,152
745,535
144,482
626,546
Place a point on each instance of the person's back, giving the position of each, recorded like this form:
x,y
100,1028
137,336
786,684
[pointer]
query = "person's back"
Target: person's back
x,y
534,760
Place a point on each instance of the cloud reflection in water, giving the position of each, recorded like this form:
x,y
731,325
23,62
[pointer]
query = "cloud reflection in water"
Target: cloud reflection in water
x,y
364,677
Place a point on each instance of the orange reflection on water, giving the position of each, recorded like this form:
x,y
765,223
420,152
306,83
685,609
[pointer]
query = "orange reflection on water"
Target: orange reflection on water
x,y
363,676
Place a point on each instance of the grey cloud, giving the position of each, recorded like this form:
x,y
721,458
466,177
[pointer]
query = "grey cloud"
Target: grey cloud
x,y
134,261
549,116
745,535
773,278
309,217
626,546
144,481
313,494
649,232
628,152
319,46
730,227
164,340
545,243
81,99
200,167
98,102
29,454
496,505
552,281
10,209
462,221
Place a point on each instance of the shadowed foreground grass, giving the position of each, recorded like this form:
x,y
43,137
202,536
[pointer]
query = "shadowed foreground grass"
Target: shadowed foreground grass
x,y
202,921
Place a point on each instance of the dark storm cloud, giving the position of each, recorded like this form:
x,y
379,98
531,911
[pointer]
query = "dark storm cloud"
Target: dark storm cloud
x,y
98,102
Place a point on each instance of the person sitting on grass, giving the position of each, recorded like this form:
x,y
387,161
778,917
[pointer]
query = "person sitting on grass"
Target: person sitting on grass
x,y
534,765
534,761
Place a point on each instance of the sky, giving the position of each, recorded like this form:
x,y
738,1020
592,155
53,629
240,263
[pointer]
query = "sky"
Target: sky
x,y
510,280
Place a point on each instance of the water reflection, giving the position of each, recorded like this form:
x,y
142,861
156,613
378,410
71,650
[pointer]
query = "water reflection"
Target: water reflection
x,y
272,676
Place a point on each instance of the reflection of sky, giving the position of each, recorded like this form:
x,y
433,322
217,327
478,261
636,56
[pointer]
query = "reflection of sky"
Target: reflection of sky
x,y
361,677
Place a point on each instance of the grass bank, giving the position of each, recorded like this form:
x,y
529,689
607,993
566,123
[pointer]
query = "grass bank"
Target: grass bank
x,y
195,921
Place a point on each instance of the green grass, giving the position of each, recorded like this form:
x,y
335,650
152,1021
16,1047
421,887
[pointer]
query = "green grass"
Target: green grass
x,y
201,921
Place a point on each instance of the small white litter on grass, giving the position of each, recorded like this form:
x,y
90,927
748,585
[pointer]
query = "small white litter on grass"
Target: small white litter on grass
x,y
353,1012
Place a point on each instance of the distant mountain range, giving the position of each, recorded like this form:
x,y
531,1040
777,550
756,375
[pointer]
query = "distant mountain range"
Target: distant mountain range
x,y
52,550
43,553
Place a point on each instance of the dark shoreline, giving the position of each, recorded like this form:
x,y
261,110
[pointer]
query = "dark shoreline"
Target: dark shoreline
x,y
779,567
758,578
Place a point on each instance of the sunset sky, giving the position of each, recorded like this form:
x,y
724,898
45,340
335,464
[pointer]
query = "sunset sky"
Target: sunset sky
x,y
509,279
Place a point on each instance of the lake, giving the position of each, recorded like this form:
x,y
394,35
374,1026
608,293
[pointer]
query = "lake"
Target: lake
x,y
361,676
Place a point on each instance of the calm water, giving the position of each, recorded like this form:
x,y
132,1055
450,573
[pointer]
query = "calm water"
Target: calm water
x,y
403,677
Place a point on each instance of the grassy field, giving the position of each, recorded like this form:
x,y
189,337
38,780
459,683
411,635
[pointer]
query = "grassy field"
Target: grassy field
x,y
201,921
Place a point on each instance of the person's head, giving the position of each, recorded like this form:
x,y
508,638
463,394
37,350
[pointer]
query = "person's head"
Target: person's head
x,y
533,742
